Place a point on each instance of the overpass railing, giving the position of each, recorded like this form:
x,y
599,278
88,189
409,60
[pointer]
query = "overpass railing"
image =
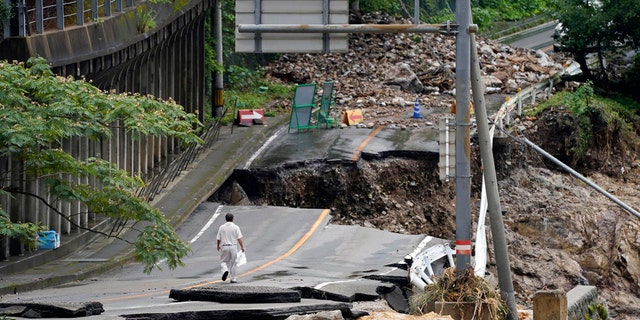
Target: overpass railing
x,y
28,17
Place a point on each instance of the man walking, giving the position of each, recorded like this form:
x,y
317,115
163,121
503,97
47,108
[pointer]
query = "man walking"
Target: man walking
x,y
229,236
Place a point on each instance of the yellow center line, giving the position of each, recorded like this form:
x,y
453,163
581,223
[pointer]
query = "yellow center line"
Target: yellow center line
x,y
293,249
364,143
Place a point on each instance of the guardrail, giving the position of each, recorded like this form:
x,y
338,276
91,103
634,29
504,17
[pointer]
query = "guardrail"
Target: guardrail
x,y
515,27
162,179
531,93
503,115
37,16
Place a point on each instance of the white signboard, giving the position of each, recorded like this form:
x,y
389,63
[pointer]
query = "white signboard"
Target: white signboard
x,y
279,12
447,143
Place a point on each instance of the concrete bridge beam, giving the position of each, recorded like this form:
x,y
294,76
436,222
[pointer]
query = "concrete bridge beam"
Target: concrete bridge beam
x,y
99,50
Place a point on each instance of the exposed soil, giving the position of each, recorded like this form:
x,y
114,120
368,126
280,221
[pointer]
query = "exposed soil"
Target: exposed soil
x,y
561,232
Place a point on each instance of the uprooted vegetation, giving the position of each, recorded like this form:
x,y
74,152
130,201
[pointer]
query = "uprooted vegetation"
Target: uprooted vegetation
x,y
463,287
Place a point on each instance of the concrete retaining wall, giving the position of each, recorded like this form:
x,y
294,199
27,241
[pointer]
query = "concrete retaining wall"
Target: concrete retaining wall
x,y
579,299
558,305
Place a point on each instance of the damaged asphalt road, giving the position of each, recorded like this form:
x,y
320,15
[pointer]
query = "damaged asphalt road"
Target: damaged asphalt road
x,y
288,249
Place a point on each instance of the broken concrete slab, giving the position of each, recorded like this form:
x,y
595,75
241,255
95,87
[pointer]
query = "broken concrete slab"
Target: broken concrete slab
x,y
55,310
237,294
264,314
312,293
397,298
396,280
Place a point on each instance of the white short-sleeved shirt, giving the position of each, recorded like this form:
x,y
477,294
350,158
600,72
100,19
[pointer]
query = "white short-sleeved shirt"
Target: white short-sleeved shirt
x,y
229,233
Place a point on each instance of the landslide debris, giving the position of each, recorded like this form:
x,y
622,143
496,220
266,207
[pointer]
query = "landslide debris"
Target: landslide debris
x,y
560,231
384,74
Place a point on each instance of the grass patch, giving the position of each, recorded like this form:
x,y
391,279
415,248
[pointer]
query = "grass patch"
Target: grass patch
x,y
249,89
602,124
555,101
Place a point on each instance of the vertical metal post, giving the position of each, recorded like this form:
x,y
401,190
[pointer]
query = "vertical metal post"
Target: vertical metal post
x,y
6,24
534,93
325,21
39,17
60,14
257,17
218,93
85,147
80,12
94,10
416,12
126,150
22,19
463,147
491,183
137,160
107,8
148,139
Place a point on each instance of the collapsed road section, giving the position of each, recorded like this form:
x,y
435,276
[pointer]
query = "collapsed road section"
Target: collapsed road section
x,y
396,191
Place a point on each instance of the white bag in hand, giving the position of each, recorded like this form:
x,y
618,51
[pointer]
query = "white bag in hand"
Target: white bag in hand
x,y
241,258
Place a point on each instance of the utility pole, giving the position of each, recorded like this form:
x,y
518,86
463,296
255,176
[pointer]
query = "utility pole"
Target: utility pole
x,y
463,140
463,30
218,80
491,182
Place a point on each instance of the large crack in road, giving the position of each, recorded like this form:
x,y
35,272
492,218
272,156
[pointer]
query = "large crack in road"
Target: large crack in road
x,y
397,191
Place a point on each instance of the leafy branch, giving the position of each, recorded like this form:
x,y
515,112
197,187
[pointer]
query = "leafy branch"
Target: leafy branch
x,y
39,111
28,238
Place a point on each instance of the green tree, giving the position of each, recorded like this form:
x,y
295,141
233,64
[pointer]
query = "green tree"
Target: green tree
x,y
485,12
597,28
622,18
583,30
389,6
39,110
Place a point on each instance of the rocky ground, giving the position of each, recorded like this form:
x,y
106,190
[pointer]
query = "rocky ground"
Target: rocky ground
x,y
383,74
560,231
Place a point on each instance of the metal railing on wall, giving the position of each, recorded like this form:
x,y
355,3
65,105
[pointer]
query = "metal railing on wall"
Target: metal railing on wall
x,y
38,16
168,174
528,96
157,160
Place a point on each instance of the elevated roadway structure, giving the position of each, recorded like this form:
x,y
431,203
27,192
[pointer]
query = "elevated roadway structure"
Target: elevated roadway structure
x,y
140,47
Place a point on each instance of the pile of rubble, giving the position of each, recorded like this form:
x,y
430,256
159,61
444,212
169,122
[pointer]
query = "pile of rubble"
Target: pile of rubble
x,y
561,232
384,74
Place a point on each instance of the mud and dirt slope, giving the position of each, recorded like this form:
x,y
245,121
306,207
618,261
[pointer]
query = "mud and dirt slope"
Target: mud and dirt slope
x,y
560,231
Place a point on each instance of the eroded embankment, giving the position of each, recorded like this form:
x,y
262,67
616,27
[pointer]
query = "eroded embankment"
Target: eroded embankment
x,y
397,191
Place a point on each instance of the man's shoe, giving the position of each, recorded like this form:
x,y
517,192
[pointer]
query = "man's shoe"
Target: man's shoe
x,y
225,275
234,281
